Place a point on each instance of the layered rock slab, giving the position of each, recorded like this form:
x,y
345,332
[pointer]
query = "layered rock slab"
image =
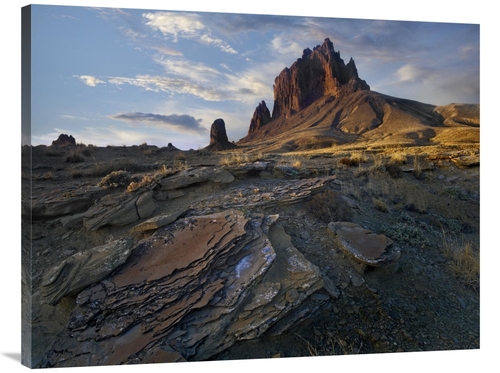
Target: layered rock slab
x,y
189,291
364,246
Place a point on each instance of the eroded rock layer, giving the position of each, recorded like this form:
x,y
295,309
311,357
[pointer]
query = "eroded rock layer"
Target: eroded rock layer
x,y
189,291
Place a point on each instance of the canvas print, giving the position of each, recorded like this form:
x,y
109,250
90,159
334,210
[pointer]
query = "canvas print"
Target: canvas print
x,y
203,186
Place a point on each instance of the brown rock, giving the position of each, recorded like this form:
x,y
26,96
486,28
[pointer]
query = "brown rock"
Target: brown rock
x,y
320,72
218,137
364,246
261,117
64,140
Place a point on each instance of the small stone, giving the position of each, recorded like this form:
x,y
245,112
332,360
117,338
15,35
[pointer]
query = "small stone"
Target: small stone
x,y
319,297
292,295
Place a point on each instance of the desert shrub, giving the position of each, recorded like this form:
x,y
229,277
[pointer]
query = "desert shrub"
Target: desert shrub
x,y
394,170
148,182
115,179
75,158
349,162
149,152
398,158
358,157
464,261
455,193
380,205
87,152
406,233
180,156
76,173
328,206
51,152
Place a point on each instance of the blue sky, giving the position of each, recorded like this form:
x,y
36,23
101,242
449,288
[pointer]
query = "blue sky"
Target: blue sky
x,y
112,76
122,76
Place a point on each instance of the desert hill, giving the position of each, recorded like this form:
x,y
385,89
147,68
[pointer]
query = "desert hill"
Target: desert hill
x,y
339,108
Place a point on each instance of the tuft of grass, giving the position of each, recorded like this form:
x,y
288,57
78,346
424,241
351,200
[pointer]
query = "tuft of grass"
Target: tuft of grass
x,y
239,157
464,261
75,158
394,170
349,162
380,205
328,206
115,179
358,157
398,158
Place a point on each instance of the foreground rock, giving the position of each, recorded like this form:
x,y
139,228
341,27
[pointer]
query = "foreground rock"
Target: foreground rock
x,y
119,210
196,176
83,269
365,247
191,290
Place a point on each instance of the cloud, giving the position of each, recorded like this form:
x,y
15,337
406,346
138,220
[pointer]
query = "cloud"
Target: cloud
x,y
91,81
72,117
110,13
412,73
179,123
187,26
165,50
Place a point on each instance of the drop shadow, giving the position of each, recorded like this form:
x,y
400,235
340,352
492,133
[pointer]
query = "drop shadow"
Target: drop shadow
x,y
13,355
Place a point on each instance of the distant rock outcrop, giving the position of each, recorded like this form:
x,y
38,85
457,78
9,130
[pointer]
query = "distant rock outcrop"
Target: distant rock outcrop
x,y
218,137
64,140
320,72
261,117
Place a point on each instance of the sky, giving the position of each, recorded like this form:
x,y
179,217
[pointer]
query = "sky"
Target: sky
x,y
125,76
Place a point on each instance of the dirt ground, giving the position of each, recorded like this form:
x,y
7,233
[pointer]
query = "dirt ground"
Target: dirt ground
x,y
427,301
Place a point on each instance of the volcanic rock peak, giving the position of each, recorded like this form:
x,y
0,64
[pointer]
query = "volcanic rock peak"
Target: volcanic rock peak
x,y
319,72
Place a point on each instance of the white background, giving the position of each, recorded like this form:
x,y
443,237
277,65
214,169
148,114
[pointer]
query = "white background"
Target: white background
x,y
482,12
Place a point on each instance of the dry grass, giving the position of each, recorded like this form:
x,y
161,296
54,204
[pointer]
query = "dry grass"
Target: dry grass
x,y
380,205
464,260
336,346
328,206
239,157
398,158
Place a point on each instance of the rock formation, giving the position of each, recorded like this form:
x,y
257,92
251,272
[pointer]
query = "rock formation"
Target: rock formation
x,y
261,117
64,140
320,72
218,137
191,290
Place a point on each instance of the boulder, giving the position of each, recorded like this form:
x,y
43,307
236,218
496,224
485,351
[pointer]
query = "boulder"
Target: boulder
x,y
365,247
